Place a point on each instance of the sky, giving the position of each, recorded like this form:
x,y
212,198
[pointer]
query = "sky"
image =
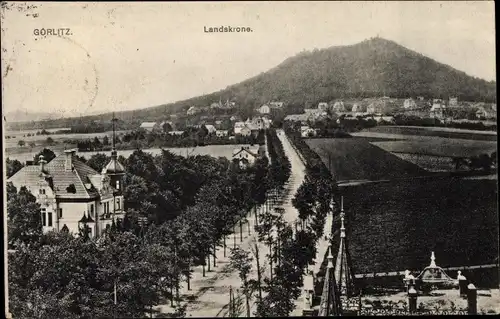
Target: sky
x,y
124,56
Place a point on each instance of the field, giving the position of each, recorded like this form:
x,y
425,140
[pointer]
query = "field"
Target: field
x,y
11,143
418,131
394,226
395,221
212,150
357,159
438,146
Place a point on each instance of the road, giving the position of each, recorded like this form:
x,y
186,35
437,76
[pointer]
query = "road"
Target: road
x,y
209,295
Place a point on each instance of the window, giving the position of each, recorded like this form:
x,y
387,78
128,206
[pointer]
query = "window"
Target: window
x,y
60,213
92,210
117,203
49,217
44,221
117,184
42,191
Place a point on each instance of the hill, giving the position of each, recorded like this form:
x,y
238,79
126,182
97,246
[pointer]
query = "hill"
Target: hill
x,y
373,67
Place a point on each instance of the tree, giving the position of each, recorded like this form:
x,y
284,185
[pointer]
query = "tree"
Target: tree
x,y
13,166
32,144
98,161
21,143
167,127
105,140
241,261
48,155
24,223
49,141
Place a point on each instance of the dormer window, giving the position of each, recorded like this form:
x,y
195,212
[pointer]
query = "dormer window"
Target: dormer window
x,y
42,191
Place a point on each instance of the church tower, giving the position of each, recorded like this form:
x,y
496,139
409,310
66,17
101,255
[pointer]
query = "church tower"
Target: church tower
x,y
115,170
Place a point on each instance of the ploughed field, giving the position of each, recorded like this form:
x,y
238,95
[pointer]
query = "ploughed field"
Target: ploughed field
x,y
357,159
394,222
395,225
445,147
444,132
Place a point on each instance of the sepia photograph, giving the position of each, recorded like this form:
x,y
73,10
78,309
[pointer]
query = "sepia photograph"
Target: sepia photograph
x,y
249,159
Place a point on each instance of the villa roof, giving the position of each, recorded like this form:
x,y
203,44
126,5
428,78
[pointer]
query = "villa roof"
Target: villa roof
x,y
59,177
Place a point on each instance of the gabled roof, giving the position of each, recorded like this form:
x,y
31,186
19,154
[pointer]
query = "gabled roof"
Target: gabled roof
x,y
148,124
60,178
254,151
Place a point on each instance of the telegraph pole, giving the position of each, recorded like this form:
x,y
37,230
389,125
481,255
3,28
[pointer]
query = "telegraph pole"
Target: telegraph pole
x,y
5,238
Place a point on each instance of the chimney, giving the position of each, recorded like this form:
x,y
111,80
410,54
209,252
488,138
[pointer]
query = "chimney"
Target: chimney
x,y
68,164
42,163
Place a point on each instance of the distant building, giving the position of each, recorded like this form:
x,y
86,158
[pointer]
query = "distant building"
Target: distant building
x,y
150,126
210,128
420,98
383,105
192,110
323,106
338,107
73,195
176,133
264,109
246,155
381,118
409,104
486,112
453,102
437,109
306,131
278,105
221,133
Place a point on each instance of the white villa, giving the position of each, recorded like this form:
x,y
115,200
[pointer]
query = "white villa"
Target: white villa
x,y
72,194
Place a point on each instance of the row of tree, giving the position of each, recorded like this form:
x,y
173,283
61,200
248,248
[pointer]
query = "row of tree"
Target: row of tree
x,y
141,139
179,210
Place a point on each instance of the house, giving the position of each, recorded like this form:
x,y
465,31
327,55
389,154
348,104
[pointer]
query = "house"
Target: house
x,y
306,131
176,133
234,118
245,155
485,112
264,109
381,118
192,110
221,133
453,102
276,105
338,107
382,105
323,106
409,104
150,126
245,128
210,128
437,109
73,195
297,118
